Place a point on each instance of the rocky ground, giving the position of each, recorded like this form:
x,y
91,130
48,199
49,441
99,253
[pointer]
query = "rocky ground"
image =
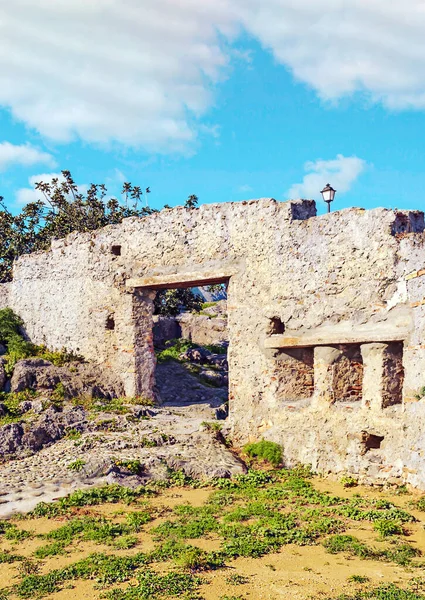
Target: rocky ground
x,y
59,446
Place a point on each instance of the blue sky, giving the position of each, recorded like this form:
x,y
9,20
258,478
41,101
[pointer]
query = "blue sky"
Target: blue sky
x,y
225,99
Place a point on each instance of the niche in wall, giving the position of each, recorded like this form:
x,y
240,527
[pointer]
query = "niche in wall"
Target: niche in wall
x,y
293,374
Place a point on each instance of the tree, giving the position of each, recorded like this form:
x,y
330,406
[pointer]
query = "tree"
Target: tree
x,y
63,209
192,201
172,302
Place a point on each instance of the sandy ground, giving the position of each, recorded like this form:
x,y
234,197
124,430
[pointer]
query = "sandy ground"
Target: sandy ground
x,y
296,572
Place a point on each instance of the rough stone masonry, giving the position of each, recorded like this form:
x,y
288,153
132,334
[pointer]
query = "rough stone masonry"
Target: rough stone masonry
x,y
326,320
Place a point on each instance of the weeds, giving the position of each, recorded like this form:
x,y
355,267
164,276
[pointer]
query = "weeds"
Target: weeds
x,y
269,451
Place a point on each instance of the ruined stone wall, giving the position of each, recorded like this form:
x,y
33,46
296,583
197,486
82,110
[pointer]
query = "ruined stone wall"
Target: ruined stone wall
x,y
331,282
4,295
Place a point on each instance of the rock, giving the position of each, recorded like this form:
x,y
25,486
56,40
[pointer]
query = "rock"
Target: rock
x,y
47,430
222,412
213,378
140,411
77,379
35,406
10,438
2,373
196,355
52,426
3,349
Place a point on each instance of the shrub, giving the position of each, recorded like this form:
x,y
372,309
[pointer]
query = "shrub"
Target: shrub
x,y
387,527
269,451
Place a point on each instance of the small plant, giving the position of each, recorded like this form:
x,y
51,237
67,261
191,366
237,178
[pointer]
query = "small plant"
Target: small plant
x,y
387,527
28,567
358,579
236,579
125,542
214,427
59,393
264,450
420,394
349,482
73,434
134,466
77,465
50,550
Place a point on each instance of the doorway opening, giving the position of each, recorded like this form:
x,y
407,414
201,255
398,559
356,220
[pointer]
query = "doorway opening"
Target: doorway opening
x,y
191,340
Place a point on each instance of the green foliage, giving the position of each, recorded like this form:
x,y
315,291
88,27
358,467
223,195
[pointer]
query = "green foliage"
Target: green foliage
x,y
349,544
134,466
150,585
192,201
349,482
77,465
264,450
383,592
236,579
10,326
73,434
6,558
91,497
387,527
106,569
420,394
174,349
50,550
358,579
18,348
170,303
62,209
420,504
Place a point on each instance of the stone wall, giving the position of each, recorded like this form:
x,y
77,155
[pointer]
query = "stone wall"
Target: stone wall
x,y
326,320
4,295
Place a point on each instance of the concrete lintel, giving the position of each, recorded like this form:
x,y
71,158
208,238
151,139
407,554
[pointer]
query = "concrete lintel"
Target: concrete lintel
x,y
181,280
387,334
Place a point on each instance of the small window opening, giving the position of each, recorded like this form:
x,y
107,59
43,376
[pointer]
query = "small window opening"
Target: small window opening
x,y
116,250
371,441
276,326
110,323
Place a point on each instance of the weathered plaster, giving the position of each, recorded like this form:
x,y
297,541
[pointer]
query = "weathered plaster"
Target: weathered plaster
x,y
350,277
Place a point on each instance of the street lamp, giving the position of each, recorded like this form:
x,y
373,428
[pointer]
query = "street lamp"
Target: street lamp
x,y
328,194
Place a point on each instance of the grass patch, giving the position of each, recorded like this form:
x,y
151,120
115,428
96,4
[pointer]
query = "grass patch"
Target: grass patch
x,y
264,450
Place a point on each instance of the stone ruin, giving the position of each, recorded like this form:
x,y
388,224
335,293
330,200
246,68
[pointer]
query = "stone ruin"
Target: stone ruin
x,y
326,319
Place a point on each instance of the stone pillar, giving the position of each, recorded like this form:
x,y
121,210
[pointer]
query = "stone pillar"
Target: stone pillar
x,y
144,353
134,357
383,374
325,358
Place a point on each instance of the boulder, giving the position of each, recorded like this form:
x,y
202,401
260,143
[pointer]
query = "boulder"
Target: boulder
x,y
77,379
197,355
35,406
10,438
52,426
213,378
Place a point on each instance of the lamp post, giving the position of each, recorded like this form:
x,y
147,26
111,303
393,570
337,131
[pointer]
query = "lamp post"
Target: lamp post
x,y
328,194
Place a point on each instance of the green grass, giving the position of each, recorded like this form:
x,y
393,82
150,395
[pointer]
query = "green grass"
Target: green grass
x,y
269,451
251,515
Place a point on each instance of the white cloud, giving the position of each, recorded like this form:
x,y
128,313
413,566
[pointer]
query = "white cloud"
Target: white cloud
x,y
143,73
338,48
341,173
104,70
25,155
